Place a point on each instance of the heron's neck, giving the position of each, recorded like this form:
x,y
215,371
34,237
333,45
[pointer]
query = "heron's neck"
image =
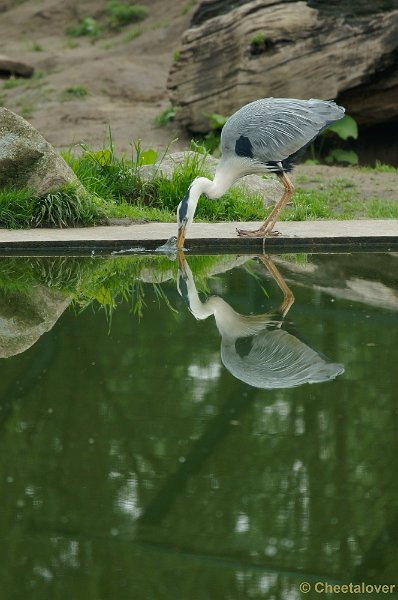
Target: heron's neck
x,y
213,189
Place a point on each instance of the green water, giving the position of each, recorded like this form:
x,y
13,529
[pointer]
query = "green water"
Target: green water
x,y
146,453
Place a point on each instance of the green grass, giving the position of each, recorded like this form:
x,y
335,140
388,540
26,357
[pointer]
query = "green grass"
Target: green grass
x,y
87,26
12,82
258,39
116,187
118,15
36,47
165,117
134,33
73,92
21,209
121,14
26,111
380,168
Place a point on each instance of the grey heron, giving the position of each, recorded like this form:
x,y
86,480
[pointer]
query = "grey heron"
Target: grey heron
x,y
255,348
265,136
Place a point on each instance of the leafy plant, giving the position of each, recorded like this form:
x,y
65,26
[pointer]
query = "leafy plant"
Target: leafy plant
x,y
211,141
259,43
258,39
87,26
165,117
342,156
344,129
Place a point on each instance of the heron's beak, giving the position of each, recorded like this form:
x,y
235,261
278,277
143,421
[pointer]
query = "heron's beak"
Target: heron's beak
x,y
181,236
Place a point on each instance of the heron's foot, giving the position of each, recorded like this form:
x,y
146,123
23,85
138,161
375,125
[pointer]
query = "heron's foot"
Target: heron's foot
x,y
257,233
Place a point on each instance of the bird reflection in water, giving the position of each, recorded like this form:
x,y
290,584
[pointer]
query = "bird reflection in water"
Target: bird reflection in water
x,y
255,348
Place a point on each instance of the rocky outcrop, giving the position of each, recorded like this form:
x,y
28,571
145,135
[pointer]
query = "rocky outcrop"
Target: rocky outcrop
x,y
10,67
238,51
27,159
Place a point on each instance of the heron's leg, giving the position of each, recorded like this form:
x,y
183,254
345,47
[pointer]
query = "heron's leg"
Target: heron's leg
x,y
268,225
288,297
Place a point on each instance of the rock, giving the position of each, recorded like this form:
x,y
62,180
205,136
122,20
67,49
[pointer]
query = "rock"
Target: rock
x,y
238,51
25,317
27,159
9,67
269,188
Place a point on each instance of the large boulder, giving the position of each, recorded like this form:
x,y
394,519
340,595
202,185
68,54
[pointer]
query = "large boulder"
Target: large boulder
x,y
238,51
27,159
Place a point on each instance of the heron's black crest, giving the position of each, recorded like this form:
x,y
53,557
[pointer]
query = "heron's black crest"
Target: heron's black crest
x,y
182,213
243,147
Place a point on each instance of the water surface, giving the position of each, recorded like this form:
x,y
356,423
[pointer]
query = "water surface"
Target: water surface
x,y
193,432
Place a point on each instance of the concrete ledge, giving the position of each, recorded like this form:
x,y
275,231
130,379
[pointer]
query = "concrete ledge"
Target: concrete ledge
x,y
206,237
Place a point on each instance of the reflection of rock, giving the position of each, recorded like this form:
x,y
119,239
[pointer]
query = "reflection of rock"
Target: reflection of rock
x,y
25,317
27,159
348,276
9,67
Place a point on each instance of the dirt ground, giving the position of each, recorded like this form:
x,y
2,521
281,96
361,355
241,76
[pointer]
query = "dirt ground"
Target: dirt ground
x,y
124,74
125,80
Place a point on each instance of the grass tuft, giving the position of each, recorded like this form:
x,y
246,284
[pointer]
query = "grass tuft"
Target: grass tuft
x,y
121,14
69,207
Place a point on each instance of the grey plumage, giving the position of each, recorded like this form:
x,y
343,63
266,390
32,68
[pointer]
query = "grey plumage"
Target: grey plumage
x,y
278,127
265,135
276,359
255,349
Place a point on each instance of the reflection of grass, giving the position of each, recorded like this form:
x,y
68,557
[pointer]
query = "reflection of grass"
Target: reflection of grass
x,y
105,281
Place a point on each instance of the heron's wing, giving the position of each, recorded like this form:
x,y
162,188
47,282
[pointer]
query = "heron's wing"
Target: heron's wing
x,y
276,359
278,127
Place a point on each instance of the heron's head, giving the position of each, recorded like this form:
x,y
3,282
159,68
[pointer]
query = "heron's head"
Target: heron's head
x,y
182,219
186,208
